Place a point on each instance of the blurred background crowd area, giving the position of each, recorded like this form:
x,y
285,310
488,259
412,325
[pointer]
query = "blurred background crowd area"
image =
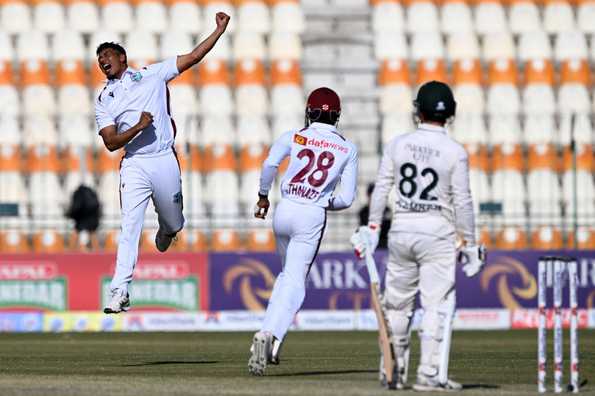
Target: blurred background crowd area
x,y
522,73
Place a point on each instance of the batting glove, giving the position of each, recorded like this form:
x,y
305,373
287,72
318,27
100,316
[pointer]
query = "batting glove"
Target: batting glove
x,y
473,259
366,237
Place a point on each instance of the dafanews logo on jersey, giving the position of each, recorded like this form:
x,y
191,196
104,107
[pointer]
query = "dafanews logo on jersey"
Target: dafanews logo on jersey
x,y
32,285
162,285
299,139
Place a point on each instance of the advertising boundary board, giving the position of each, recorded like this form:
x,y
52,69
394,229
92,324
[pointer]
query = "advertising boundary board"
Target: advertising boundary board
x,y
308,320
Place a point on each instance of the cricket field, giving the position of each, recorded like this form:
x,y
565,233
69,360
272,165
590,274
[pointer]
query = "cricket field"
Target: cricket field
x,y
313,363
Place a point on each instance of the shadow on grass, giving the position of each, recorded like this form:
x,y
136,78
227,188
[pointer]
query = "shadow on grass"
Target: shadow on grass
x,y
165,362
332,372
480,386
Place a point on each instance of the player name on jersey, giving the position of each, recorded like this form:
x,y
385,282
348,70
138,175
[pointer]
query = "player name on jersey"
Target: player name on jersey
x,y
302,191
417,206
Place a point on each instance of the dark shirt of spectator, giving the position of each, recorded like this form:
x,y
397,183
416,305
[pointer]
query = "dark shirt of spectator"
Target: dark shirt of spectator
x,y
84,209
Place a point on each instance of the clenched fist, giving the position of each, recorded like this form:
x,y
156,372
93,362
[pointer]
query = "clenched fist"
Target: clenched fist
x,y
145,120
222,19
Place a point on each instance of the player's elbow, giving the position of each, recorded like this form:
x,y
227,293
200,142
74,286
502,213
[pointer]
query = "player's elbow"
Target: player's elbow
x,y
111,146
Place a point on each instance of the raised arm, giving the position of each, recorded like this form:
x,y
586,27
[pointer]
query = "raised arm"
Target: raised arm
x,y
186,61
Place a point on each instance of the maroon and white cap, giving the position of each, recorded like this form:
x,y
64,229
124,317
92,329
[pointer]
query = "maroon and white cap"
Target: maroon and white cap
x,y
325,100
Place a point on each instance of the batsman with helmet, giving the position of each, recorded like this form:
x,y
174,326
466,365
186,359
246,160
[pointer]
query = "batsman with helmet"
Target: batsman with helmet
x,y
430,173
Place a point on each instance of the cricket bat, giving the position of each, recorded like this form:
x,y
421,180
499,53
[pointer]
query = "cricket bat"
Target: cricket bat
x,y
386,346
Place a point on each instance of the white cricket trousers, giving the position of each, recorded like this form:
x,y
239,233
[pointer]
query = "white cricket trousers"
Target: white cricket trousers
x,y
298,232
426,264
142,177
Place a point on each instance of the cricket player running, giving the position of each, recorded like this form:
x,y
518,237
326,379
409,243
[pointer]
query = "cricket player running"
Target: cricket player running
x,y
132,111
433,205
319,158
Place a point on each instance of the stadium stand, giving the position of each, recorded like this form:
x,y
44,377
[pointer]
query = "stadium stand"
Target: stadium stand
x,y
522,72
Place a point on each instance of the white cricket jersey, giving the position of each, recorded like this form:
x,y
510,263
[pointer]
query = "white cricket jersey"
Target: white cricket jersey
x,y
319,158
430,173
122,101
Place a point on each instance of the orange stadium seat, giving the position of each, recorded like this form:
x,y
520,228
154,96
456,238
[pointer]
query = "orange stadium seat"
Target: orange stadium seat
x,y
253,16
251,94
108,161
431,69
197,241
523,16
485,238
77,168
185,16
110,240
538,94
393,71
13,241
147,242
288,16
426,45
585,16
48,15
422,16
82,15
390,45
490,17
222,182
38,95
251,159
534,45
478,171
570,45
8,91
507,181
83,242
284,45
116,15
141,48
395,97
225,240
260,240
456,17
585,239
543,189
573,97
15,16
73,95
215,96
467,79
585,192
287,95
151,15
547,238
48,241
497,46
502,96
511,238
558,16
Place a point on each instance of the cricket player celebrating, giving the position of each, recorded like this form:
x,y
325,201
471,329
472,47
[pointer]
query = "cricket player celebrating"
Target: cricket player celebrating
x,y
132,111
319,158
433,205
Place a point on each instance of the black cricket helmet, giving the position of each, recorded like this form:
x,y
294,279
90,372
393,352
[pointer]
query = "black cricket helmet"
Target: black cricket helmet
x,y
435,102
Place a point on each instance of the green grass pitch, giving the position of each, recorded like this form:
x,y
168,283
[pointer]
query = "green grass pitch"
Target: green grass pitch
x,y
325,363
